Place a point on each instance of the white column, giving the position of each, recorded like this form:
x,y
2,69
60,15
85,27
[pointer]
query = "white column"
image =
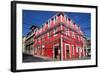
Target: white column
x,y
61,48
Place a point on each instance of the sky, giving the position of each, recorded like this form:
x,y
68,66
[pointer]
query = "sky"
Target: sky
x,y
32,17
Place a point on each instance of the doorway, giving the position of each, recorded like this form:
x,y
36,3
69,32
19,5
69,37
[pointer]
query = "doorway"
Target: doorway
x,y
79,54
67,52
57,53
72,51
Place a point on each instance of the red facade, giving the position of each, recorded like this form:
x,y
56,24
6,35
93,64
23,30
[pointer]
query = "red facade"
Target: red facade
x,y
59,38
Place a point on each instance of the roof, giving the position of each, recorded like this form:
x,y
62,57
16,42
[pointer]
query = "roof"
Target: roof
x,y
33,27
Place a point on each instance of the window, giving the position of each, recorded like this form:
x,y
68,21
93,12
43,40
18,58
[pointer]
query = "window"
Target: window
x,y
61,18
77,37
54,19
66,18
73,50
42,37
76,49
42,46
55,31
72,34
67,52
48,23
67,32
36,31
48,34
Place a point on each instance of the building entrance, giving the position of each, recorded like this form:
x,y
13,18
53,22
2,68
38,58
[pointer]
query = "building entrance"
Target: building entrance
x,y
57,54
67,52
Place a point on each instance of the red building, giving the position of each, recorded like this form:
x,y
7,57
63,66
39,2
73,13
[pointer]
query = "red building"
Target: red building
x,y
59,38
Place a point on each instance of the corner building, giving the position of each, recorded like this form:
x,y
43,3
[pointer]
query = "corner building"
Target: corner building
x,y
59,39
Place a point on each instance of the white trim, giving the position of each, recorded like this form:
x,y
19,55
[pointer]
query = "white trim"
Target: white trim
x,y
67,32
61,48
83,51
65,49
42,46
61,27
36,65
54,20
61,18
73,49
64,18
48,35
78,50
73,34
55,30
49,24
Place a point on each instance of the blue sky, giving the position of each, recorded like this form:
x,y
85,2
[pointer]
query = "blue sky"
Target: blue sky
x,y
31,17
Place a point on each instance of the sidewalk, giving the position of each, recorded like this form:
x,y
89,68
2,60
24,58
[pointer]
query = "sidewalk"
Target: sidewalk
x,y
82,58
43,57
50,59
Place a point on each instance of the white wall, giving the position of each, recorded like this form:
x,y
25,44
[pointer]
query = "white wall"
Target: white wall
x,y
5,36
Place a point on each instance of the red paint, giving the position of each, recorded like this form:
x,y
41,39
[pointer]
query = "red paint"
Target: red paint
x,y
52,46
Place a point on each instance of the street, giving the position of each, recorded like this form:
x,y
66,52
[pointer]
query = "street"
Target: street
x,y
31,58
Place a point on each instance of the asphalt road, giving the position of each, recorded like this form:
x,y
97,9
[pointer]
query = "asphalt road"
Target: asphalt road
x,y
30,58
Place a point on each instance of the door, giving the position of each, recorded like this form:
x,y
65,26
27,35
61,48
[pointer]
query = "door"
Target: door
x,y
67,52
72,51
57,54
79,54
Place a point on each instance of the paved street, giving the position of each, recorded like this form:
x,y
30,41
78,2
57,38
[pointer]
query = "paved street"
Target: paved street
x,y
30,58
83,58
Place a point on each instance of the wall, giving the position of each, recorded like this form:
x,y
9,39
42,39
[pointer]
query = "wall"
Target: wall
x,y
5,37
